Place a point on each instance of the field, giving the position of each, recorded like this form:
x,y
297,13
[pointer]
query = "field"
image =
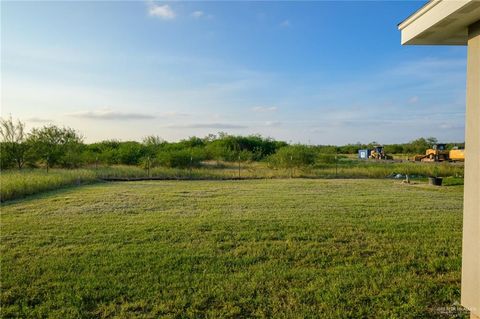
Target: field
x,y
276,248
17,184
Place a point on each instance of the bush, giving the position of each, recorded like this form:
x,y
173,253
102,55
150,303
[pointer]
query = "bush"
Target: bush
x,y
293,156
55,145
130,153
6,158
181,158
326,158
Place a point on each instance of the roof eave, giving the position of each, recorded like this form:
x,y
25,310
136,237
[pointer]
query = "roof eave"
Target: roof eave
x,y
440,22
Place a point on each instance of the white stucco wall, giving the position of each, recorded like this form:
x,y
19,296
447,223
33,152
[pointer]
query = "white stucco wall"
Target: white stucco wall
x,y
471,210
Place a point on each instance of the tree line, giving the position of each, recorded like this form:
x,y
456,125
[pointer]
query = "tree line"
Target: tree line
x,y
54,146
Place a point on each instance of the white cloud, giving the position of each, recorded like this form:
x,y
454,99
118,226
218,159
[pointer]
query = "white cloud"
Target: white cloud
x,y
286,23
263,109
174,114
197,14
273,123
210,126
38,120
110,115
452,126
161,11
413,100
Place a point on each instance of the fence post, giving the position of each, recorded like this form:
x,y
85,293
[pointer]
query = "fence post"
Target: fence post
x,y
291,166
148,166
238,165
336,165
191,160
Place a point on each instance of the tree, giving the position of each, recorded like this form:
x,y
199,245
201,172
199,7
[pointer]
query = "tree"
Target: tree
x,y
153,141
55,145
293,156
432,140
13,141
227,147
192,142
130,153
419,146
105,151
181,158
216,150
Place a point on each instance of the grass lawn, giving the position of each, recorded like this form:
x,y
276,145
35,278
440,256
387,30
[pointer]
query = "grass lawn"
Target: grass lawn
x,y
254,248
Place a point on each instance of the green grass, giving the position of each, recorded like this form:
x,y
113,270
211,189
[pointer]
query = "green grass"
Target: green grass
x,y
17,184
290,248
346,168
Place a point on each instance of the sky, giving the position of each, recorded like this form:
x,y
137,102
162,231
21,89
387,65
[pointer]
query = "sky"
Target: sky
x,y
310,72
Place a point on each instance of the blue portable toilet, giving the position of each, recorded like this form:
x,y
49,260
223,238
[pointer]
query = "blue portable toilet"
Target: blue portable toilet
x,y
363,154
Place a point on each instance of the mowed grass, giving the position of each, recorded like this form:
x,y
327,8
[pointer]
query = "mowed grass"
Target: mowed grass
x,y
290,248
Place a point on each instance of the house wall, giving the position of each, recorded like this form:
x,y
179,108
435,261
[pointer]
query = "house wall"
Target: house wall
x,y
471,214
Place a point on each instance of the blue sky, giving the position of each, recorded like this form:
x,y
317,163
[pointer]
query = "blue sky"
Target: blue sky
x,y
312,72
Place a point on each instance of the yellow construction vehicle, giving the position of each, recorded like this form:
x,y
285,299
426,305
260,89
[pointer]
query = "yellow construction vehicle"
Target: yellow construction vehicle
x,y
457,155
439,153
378,153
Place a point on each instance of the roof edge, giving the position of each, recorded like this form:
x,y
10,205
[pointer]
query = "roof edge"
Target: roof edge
x,y
417,14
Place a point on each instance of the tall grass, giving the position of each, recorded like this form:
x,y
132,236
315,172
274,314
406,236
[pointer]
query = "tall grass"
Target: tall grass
x,y
17,184
382,170
347,169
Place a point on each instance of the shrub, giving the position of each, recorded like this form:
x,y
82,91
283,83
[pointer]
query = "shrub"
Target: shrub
x,y
130,153
293,156
182,158
326,158
50,144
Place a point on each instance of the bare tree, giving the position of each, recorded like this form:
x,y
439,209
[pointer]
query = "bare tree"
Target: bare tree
x,y
14,139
